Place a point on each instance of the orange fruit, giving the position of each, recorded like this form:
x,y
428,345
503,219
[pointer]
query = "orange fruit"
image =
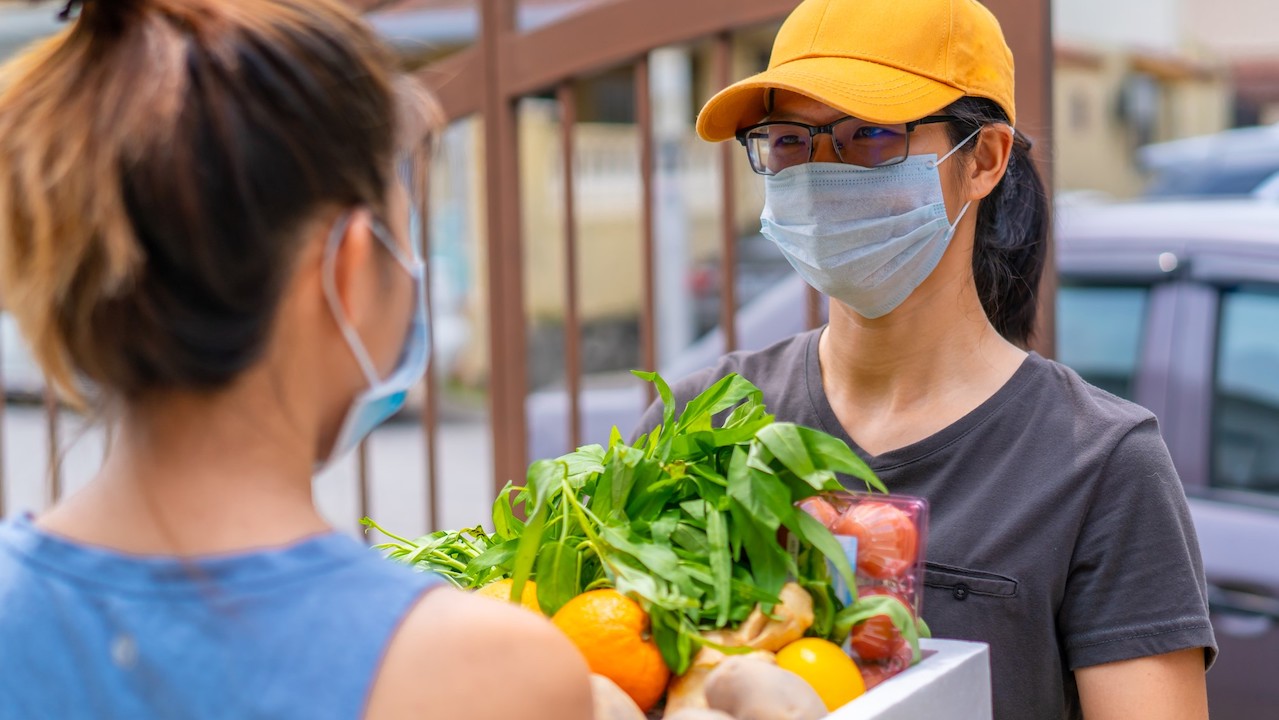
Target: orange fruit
x,y
826,667
612,632
501,590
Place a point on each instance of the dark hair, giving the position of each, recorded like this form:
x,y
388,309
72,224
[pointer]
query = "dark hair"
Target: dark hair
x,y
1011,243
156,163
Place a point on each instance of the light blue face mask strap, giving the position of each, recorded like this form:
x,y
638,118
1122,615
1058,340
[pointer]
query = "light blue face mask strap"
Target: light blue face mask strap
x,y
328,278
944,158
962,212
384,236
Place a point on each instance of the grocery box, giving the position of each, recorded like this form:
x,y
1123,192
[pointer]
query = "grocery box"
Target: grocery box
x,y
952,681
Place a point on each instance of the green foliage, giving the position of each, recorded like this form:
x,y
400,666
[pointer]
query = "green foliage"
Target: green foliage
x,y
686,521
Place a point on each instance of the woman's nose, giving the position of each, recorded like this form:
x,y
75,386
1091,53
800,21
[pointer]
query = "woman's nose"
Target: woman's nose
x,y
824,149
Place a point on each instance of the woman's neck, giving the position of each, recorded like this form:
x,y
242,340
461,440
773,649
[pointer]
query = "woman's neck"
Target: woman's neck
x,y
196,474
899,378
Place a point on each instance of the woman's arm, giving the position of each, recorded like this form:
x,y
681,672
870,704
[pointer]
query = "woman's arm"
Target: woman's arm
x,y
1162,687
460,656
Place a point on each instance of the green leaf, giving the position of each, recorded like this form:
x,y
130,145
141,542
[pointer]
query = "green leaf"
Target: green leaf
x,y
810,530
763,495
526,552
557,581
769,563
833,454
505,524
662,444
784,442
869,606
721,562
582,464
674,643
496,557
724,394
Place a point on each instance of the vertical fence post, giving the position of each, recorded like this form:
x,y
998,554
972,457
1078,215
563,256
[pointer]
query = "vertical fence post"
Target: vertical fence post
x,y
508,383
728,206
567,99
430,403
53,487
648,311
1028,27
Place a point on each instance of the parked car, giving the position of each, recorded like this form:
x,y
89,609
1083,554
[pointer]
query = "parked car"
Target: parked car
x,y
1234,162
1175,305
1171,304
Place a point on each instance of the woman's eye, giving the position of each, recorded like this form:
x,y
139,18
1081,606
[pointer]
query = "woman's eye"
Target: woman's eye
x,y
787,141
871,132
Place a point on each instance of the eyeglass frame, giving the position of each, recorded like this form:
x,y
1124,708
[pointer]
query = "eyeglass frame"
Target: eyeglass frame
x,y
829,129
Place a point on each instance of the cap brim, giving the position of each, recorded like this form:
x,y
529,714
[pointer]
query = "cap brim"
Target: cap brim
x,y
866,90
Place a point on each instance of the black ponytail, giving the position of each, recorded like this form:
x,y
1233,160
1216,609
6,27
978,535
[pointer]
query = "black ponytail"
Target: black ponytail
x,y
1011,244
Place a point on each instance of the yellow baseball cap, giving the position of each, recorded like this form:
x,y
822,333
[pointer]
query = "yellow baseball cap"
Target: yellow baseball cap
x,y
886,61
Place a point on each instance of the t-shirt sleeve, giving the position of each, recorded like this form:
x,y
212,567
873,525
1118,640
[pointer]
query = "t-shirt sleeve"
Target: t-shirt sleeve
x,y
1136,584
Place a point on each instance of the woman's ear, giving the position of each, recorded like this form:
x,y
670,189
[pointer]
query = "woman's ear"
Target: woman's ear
x,y
989,160
353,275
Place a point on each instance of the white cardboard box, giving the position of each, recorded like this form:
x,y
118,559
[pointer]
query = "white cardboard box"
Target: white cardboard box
x,y
952,682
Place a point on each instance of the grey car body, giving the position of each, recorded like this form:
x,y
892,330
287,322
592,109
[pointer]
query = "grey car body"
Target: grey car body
x,y
1175,305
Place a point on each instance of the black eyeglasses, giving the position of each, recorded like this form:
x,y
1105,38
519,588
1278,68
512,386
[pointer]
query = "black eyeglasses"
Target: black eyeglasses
x,y
775,146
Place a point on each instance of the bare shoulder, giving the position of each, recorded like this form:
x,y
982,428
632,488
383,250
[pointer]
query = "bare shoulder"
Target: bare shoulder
x,y
457,655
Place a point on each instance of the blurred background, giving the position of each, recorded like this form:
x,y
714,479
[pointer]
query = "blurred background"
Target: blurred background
x,y
1154,98
578,229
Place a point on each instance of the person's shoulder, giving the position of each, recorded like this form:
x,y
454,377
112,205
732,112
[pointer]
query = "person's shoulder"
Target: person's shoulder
x,y
429,668
1087,401
762,367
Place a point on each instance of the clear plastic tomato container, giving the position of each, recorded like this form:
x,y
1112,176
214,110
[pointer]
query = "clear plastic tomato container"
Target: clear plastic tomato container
x,y
885,537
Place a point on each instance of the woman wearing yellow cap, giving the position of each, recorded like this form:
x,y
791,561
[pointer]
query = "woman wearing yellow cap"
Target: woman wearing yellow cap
x,y
896,184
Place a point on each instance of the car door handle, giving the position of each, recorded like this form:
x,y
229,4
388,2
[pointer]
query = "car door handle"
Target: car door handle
x,y
1240,602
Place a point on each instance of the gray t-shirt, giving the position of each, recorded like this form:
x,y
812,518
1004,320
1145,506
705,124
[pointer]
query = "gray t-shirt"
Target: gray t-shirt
x,y
1059,532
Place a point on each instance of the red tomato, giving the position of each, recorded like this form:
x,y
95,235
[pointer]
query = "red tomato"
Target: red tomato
x,y
820,509
877,639
873,640
886,538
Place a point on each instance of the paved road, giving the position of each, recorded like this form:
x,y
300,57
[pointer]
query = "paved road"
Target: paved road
x,y
397,461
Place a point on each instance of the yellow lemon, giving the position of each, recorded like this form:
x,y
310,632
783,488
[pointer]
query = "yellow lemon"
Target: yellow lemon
x,y
501,590
826,667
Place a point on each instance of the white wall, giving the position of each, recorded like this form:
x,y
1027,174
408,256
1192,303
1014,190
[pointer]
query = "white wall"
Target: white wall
x,y
1234,28
1147,24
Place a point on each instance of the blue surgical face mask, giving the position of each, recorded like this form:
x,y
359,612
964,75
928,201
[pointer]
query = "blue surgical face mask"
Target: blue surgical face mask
x,y
385,396
864,236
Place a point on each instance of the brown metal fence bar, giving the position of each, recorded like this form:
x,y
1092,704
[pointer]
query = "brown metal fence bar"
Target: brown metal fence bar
x,y
812,307
430,403
362,483
1028,27
53,488
648,260
567,97
508,384
728,207
606,35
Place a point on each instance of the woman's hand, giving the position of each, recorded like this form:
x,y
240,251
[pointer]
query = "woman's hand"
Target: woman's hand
x,y
1163,687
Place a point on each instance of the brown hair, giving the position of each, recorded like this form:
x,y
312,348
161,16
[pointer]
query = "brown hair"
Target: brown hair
x,y
157,160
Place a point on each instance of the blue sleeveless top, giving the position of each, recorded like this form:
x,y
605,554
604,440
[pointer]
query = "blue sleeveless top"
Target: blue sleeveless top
x,y
295,632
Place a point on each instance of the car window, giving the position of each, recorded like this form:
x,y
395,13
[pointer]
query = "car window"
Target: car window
x,y
1099,330
1245,433
1202,179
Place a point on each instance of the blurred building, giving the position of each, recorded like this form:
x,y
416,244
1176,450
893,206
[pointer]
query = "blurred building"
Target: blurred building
x,y
1246,34
1128,74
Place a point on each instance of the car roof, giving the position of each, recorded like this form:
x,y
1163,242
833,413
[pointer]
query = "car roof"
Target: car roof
x,y
1219,241
1238,222
1248,146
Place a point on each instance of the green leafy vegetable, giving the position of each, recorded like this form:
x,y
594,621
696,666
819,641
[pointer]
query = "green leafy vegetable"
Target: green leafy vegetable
x,y
687,521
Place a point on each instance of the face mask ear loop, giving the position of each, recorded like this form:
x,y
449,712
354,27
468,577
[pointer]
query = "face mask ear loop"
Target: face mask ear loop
x,y
944,158
962,212
329,281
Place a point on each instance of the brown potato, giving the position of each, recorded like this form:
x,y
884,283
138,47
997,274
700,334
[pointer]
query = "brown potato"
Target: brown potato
x,y
752,690
688,691
611,702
